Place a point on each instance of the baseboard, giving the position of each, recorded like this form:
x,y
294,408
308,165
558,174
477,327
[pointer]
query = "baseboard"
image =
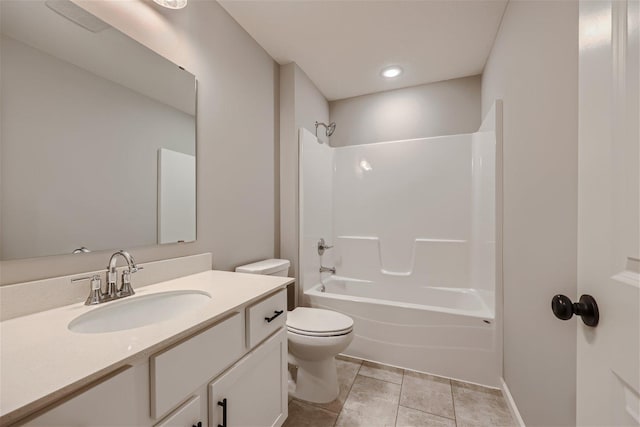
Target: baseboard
x,y
511,404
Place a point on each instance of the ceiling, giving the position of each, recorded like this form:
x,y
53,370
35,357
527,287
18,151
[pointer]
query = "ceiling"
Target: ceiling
x,y
342,45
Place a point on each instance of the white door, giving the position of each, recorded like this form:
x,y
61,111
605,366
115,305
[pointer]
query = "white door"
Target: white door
x,y
608,373
254,392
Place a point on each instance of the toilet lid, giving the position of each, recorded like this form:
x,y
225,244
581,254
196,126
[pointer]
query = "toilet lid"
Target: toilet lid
x,y
318,321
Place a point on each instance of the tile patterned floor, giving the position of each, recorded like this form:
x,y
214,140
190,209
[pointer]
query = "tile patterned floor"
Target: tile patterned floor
x,y
374,395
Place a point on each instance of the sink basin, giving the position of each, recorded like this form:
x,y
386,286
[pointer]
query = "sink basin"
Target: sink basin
x,y
137,311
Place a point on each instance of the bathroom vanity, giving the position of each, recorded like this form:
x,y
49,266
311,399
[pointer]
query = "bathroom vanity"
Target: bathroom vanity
x,y
222,363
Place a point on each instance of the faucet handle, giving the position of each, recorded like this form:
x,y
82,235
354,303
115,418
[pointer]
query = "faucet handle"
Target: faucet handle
x,y
95,295
322,246
136,268
126,289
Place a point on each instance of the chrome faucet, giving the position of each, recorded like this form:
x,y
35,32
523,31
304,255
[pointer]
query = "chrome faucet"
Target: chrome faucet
x,y
322,246
331,270
112,291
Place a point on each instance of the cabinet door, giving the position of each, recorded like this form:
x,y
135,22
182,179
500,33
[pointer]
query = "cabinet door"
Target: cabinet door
x,y
187,415
254,391
179,370
111,402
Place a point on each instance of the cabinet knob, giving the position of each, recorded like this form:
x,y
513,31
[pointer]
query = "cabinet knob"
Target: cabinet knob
x,y
197,425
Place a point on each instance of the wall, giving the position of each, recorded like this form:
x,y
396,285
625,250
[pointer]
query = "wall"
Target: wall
x,y
533,67
316,213
62,212
237,95
444,108
302,105
402,211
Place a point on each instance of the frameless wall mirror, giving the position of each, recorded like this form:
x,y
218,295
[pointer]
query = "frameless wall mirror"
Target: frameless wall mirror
x,y
98,136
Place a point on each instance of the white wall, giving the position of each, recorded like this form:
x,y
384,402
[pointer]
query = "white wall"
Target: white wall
x,y
533,67
237,83
484,145
444,108
63,212
393,204
302,105
316,213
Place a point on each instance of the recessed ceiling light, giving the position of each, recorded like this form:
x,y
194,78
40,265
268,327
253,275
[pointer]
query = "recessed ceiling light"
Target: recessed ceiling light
x,y
172,4
391,72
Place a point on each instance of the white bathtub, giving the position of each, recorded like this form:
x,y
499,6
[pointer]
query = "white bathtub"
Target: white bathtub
x,y
442,331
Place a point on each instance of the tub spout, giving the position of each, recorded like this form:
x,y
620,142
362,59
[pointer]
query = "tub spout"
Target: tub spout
x,y
331,270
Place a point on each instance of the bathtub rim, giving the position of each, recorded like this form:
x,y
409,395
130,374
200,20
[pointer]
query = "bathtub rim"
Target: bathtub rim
x,y
485,314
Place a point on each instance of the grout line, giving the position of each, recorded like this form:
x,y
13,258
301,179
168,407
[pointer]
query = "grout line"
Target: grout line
x,y
453,402
429,413
348,392
399,398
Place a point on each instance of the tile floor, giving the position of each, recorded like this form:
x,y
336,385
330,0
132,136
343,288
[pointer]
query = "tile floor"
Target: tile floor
x,y
374,395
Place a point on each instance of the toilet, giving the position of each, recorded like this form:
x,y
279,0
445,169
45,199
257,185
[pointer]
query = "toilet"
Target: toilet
x,y
315,336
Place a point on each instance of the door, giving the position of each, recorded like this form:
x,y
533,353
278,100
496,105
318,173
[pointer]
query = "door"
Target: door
x,y
253,392
608,374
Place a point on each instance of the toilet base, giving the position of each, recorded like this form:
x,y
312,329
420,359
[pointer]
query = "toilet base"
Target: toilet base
x,y
317,381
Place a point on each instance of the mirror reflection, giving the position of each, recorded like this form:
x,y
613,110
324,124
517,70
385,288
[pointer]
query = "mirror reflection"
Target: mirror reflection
x,y
97,136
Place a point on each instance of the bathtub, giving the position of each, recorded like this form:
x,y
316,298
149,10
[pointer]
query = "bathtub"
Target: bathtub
x,y
442,331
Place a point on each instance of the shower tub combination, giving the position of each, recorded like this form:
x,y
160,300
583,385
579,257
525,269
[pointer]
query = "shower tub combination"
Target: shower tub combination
x,y
443,331
413,226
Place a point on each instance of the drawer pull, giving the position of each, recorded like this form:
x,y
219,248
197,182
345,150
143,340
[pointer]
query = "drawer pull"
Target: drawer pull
x,y
223,403
197,425
277,313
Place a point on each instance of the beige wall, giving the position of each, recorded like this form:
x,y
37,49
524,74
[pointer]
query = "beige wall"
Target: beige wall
x,y
443,108
237,84
302,105
533,67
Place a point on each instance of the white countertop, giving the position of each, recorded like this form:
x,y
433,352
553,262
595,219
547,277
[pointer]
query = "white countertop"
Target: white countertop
x,y
41,360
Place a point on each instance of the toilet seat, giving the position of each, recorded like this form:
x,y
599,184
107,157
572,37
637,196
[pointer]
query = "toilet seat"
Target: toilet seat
x,y
318,322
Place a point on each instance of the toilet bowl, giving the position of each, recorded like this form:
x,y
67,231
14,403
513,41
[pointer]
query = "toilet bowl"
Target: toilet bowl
x,y
315,337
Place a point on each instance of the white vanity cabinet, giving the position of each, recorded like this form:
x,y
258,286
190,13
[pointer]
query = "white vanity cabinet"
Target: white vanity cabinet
x,y
254,391
188,414
181,369
241,362
113,401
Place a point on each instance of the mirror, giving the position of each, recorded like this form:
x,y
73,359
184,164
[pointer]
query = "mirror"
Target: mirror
x,y
98,136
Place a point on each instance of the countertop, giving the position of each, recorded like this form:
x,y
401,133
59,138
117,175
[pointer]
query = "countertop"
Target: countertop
x,y
41,360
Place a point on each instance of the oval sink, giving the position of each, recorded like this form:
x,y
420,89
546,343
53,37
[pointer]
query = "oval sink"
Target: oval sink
x,y
134,312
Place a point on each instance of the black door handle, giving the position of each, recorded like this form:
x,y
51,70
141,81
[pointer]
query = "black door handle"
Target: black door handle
x,y
587,308
223,403
277,313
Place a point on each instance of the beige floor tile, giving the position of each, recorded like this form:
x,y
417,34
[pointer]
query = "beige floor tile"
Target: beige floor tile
x,y
304,415
427,393
381,372
347,371
370,403
408,417
480,406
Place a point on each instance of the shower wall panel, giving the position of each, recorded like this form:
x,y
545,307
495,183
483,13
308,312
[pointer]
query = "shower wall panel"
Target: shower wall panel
x,y
316,202
402,211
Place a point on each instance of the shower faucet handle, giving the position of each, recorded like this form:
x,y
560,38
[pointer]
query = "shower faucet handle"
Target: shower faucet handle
x,y
322,246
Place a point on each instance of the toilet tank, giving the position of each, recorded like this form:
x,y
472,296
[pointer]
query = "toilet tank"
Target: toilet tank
x,y
270,267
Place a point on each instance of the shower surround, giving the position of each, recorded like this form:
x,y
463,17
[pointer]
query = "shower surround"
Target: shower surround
x,y
413,224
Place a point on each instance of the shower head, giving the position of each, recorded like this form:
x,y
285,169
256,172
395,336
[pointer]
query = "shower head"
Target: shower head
x,y
329,128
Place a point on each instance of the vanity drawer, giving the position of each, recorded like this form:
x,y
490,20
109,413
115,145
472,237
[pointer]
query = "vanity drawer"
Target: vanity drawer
x,y
265,317
176,372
